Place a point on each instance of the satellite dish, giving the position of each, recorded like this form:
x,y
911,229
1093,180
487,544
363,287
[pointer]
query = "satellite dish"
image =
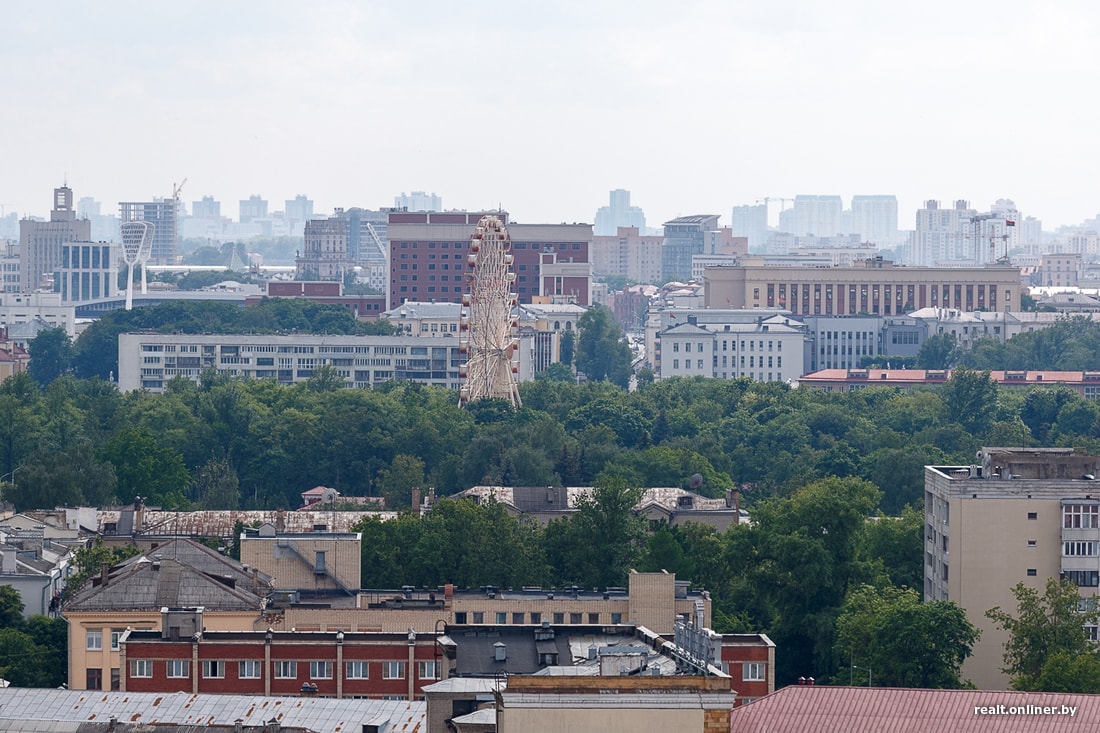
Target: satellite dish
x,y
695,481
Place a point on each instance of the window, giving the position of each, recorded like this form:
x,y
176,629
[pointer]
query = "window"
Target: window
x,y
574,618
249,669
94,679
460,617
286,670
178,668
616,618
393,670
536,617
517,617
752,671
94,641
1080,516
116,679
1085,549
593,618
213,669
675,363
1083,578
116,634
1032,516
502,618
141,668
357,670
320,670
1032,572
559,617
427,670
479,617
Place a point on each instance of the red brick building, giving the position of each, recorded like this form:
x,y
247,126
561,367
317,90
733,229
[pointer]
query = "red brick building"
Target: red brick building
x,y
749,660
428,253
327,664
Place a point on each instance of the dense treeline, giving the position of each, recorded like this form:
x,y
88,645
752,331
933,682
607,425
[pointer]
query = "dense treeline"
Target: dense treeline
x,y
813,468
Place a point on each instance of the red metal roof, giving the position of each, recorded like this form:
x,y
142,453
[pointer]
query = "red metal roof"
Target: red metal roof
x,y
822,709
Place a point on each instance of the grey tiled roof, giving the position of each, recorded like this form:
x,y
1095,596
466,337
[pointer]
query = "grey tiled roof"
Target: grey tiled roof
x,y
144,586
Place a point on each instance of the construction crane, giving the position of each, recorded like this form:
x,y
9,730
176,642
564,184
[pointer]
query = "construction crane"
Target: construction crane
x,y
782,201
176,191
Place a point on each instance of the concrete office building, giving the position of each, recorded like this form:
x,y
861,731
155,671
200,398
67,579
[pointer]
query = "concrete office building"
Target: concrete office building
x,y
87,271
685,237
40,242
942,235
879,288
1015,515
820,215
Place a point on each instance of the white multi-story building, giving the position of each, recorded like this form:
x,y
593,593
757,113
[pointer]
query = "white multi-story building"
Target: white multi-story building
x,y
942,235
820,215
29,308
765,352
752,222
875,219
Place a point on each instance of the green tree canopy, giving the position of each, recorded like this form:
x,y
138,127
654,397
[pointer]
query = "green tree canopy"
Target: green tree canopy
x,y
1045,624
51,353
904,642
602,354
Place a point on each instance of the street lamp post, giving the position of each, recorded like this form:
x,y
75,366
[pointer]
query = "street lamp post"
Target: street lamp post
x,y
865,669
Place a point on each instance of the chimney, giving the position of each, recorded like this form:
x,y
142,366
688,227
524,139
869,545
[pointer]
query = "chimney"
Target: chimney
x,y
416,500
255,581
9,565
500,651
104,573
280,520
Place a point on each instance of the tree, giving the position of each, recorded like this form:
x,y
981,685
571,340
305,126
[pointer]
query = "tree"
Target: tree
x,y
50,478
906,643
896,543
146,468
557,372
51,353
1043,626
940,351
11,608
89,561
568,347
216,486
602,354
970,399
396,483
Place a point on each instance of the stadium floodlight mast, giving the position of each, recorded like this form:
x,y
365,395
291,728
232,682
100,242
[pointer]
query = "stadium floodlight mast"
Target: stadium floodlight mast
x,y
137,247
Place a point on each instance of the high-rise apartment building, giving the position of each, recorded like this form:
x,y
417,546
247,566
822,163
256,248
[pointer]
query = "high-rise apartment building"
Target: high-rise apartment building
x,y
820,215
162,215
1017,515
252,208
751,222
628,253
40,242
943,235
619,213
875,219
208,208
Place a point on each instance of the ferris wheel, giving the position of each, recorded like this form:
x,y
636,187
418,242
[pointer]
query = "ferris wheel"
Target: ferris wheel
x,y
489,330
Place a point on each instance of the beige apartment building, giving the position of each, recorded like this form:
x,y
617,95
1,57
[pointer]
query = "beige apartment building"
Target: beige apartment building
x,y
877,287
1015,515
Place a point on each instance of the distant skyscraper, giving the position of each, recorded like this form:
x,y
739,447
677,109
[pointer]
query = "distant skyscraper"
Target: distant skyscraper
x,y
104,226
299,209
325,250
942,234
40,242
619,214
254,208
818,215
162,215
208,208
418,201
875,219
752,222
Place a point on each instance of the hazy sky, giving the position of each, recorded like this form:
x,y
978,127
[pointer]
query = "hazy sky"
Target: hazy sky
x,y
543,108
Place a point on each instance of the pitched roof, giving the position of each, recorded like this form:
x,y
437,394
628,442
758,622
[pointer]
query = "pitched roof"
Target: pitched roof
x,y
870,710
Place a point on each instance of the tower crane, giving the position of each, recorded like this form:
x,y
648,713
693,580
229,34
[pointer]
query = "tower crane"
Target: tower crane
x,y
782,201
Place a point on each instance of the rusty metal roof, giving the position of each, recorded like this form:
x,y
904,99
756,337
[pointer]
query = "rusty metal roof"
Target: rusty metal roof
x,y
824,709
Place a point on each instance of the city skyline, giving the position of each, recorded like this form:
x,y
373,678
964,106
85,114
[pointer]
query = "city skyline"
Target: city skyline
x,y
543,111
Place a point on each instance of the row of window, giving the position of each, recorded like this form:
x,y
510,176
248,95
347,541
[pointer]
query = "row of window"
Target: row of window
x,y
778,346
518,617
252,669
